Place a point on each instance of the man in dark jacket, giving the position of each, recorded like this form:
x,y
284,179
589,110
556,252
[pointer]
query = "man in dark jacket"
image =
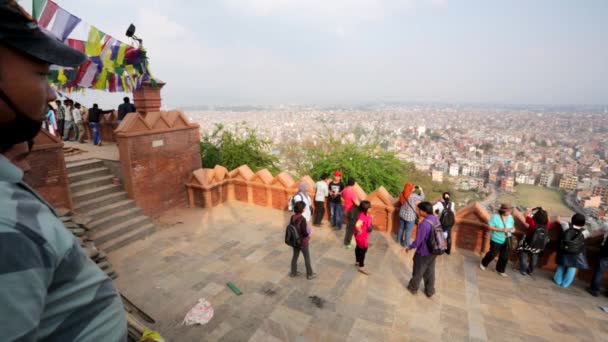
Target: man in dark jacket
x,y
125,108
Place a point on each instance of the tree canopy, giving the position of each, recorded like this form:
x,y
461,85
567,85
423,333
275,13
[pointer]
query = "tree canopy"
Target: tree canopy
x,y
234,147
370,165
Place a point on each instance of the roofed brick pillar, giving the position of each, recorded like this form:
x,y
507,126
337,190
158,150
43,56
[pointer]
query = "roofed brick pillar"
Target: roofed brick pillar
x,y
147,98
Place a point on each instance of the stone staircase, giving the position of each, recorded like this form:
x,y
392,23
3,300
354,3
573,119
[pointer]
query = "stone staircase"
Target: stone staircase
x,y
116,221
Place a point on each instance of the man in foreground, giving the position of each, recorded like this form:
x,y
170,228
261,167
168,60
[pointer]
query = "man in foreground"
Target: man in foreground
x,y
49,288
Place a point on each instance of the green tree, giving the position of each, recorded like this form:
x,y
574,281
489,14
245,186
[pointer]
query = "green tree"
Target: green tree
x,y
368,164
232,148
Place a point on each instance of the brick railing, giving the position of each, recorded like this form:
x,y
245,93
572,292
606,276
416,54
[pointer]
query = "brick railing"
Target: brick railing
x,y
209,187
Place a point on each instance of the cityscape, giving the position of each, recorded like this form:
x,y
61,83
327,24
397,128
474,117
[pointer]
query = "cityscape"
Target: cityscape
x,y
479,148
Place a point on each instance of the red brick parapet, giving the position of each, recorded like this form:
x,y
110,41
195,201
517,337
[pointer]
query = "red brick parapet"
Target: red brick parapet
x,y
206,188
48,174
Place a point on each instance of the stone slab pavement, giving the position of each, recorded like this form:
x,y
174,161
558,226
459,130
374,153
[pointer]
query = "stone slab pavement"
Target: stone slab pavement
x,y
197,251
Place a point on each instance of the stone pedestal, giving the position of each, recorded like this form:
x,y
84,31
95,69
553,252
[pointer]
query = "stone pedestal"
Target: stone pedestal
x,y
147,98
158,154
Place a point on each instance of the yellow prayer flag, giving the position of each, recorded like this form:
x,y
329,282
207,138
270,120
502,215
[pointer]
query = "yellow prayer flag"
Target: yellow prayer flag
x,y
130,69
125,86
101,80
61,77
120,57
93,45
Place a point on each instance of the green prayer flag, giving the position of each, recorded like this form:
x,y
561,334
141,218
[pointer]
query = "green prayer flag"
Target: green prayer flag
x,y
37,7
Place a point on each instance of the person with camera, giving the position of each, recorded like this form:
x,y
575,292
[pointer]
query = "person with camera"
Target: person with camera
x,y
409,198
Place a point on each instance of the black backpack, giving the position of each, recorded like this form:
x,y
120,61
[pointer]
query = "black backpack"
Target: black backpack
x,y
447,217
573,241
539,238
436,243
292,234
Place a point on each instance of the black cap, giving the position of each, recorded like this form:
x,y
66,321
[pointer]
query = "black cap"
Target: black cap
x,y
18,30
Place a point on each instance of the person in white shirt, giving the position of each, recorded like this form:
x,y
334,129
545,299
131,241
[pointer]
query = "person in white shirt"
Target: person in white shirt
x,y
571,255
440,210
302,195
69,120
322,191
77,114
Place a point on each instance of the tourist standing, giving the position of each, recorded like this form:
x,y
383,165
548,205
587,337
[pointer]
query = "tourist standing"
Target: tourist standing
x,y
571,254
445,210
49,289
125,108
424,260
351,202
409,199
299,221
69,120
51,120
321,193
302,195
77,114
94,116
60,115
602,265
362,230
502,226
335,200
534,242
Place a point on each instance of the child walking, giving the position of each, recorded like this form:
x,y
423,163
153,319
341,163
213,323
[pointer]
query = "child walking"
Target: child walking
x,y
362,230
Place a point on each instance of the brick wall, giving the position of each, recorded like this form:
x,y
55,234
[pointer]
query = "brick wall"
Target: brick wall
x,y
48,174
158,154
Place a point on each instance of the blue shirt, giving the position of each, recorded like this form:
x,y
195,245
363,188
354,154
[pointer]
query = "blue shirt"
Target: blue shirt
x,y
496,222
49,289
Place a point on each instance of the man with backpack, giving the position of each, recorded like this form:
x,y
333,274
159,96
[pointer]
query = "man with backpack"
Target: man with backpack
x,y
602,265
571,254
534,242
297,235
445,211
427,245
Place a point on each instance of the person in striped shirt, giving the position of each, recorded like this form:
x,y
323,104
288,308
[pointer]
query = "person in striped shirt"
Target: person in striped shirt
x,y
49,289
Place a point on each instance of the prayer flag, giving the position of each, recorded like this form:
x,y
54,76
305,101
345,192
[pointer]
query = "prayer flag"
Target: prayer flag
x,y
101,80
93,46
76,44
37,7
47,13
120,57
61,77
89,75
64,24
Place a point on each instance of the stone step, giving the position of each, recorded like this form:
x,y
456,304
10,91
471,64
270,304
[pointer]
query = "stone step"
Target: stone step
x,y
110,209
91,183
89,194
134,235
114,219
88,173
101,201
118,230
81,165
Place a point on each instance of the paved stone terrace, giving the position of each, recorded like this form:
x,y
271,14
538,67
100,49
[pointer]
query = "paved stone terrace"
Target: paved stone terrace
x,y
199,250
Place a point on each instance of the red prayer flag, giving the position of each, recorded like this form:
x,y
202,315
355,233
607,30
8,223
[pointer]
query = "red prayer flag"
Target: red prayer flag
x,y
47,13
76,44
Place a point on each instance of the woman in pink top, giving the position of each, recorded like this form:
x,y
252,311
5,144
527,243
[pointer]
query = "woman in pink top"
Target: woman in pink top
x,y
364,221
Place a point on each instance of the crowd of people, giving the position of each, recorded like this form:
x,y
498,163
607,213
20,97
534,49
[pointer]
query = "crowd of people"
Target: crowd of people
x,y
68,119
439,216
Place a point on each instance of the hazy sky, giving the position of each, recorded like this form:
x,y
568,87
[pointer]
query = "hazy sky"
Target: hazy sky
x,y
356,51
